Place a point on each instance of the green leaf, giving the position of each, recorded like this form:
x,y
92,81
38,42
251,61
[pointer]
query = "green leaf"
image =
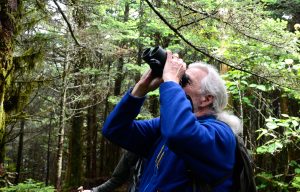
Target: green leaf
x,y
271,148
293,163
247,101
285,115
263,132
295,123
261,87
261,150
274,147
296,182
271,125
297,170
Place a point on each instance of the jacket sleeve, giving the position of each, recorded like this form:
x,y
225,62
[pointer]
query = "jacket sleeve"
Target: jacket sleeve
x,y
120,127
207,147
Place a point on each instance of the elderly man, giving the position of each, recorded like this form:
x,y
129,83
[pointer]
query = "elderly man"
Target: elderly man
x,y
188,146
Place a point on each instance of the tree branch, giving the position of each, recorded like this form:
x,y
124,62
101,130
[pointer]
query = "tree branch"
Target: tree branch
x,y
229,24
205,52
191,23
68,23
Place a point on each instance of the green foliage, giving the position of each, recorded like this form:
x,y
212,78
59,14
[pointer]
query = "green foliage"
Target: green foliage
x,y
143,116
114,99
154,93
136,68
268,181
277,182
296,180
279,133
237,83
91,71
29,186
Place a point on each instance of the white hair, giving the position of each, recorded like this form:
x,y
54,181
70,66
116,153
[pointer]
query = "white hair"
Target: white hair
x,y
213,84
233,121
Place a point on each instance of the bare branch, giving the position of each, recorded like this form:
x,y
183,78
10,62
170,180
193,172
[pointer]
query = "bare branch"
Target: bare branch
x,y
68,23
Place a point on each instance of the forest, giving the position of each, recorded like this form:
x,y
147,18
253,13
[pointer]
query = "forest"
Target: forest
x,y
64,64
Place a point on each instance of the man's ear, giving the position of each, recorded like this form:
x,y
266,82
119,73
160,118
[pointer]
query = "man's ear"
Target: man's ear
x,y
206,100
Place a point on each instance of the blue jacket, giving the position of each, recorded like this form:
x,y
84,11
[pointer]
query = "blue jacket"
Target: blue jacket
x,y
174,143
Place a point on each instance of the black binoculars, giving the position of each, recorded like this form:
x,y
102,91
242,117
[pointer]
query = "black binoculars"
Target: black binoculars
x,y
156,58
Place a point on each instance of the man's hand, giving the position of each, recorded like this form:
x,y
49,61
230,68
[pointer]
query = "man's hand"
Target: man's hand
x,y
147,83
80,189
174,68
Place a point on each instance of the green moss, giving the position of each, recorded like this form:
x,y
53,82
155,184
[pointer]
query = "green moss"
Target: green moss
x,y
2,114
28,60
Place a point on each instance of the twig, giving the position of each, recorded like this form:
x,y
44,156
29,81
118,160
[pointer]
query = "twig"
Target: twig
x,y
191,23
68,23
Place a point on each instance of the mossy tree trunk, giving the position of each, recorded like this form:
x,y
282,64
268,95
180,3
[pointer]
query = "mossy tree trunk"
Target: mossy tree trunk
x,y
8,12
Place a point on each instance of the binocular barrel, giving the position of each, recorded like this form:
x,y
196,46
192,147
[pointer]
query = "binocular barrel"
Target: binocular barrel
x,y
156,58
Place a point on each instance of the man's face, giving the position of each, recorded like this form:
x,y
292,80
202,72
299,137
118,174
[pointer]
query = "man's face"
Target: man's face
x,y
192,88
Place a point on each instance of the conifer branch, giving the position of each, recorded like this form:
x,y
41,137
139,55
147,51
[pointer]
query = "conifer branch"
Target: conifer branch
x,y
205,52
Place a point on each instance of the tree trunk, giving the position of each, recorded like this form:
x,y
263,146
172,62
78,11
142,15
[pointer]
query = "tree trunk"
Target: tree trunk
x,y
284,109
102,167
20,151
91,156
119,78
48,151
61,131
75,162
141,26
154,106
74,170
8,11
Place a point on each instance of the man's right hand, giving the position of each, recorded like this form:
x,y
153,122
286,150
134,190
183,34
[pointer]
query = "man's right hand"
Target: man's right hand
x,y
147,83
174,68
80,189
